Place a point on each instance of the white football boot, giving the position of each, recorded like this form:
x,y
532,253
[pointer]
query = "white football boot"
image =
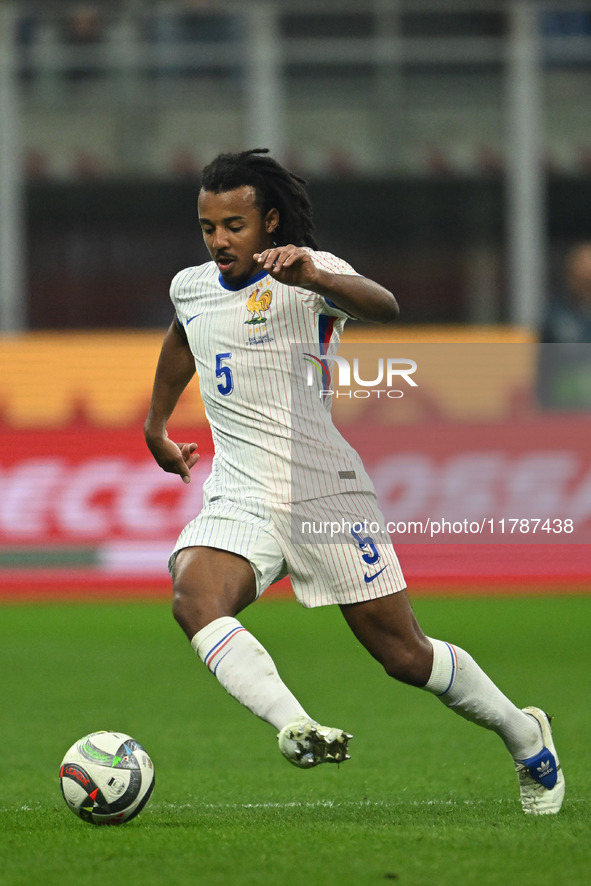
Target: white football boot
x,y
305,744
541,780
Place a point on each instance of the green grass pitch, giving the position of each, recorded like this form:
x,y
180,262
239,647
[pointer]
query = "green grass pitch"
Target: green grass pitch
x,y
427,798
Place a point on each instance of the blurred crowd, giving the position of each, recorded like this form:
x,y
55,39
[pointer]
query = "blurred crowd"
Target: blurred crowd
x,y
172,22
83,25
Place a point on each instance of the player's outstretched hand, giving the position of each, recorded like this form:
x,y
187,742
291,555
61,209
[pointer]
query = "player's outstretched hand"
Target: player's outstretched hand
x,y
291,265
175,458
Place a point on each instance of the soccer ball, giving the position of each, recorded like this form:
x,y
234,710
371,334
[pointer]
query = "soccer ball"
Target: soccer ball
x,y
106,778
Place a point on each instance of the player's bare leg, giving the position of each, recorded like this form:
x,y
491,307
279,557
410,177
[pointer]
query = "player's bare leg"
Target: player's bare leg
x,y
210,584
210,588
389,630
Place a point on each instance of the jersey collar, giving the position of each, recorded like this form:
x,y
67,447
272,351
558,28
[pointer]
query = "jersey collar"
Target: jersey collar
x,y
244,285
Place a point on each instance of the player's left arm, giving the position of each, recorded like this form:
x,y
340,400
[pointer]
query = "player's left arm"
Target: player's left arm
x,y
358,296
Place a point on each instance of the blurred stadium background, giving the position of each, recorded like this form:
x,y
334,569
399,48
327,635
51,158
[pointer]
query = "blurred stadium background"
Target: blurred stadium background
x,y
448,150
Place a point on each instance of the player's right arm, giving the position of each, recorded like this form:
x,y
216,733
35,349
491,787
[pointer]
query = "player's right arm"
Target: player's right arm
x,y
175,369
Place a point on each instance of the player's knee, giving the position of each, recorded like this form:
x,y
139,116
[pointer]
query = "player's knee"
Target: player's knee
x,y
181,604
186,607
196,604
191,611
409,663
190,608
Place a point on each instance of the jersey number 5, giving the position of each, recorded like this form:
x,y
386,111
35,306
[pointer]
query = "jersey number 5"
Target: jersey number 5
x,y
227,385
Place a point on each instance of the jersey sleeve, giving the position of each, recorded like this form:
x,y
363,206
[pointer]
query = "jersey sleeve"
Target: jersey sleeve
x,y
176,289
183,289
317,303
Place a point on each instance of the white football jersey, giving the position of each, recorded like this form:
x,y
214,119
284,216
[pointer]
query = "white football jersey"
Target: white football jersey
x,y
253,346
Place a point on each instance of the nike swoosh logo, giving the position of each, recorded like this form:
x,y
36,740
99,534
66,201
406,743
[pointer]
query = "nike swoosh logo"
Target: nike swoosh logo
x,y
369,578
193,317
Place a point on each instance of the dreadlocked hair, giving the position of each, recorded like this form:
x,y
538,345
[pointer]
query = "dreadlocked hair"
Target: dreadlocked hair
x,y
275,188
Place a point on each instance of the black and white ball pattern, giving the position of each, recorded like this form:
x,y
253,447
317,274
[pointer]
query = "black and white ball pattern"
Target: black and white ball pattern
x,y
106,778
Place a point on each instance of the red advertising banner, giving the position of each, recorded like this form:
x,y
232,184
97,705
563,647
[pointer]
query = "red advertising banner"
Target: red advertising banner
x,y
86,507
86,486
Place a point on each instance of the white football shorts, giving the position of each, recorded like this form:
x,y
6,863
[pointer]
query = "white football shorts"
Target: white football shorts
x,y
335,549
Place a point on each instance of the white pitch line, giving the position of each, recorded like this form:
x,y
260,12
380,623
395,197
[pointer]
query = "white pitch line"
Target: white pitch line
x,y
314,804
336,804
